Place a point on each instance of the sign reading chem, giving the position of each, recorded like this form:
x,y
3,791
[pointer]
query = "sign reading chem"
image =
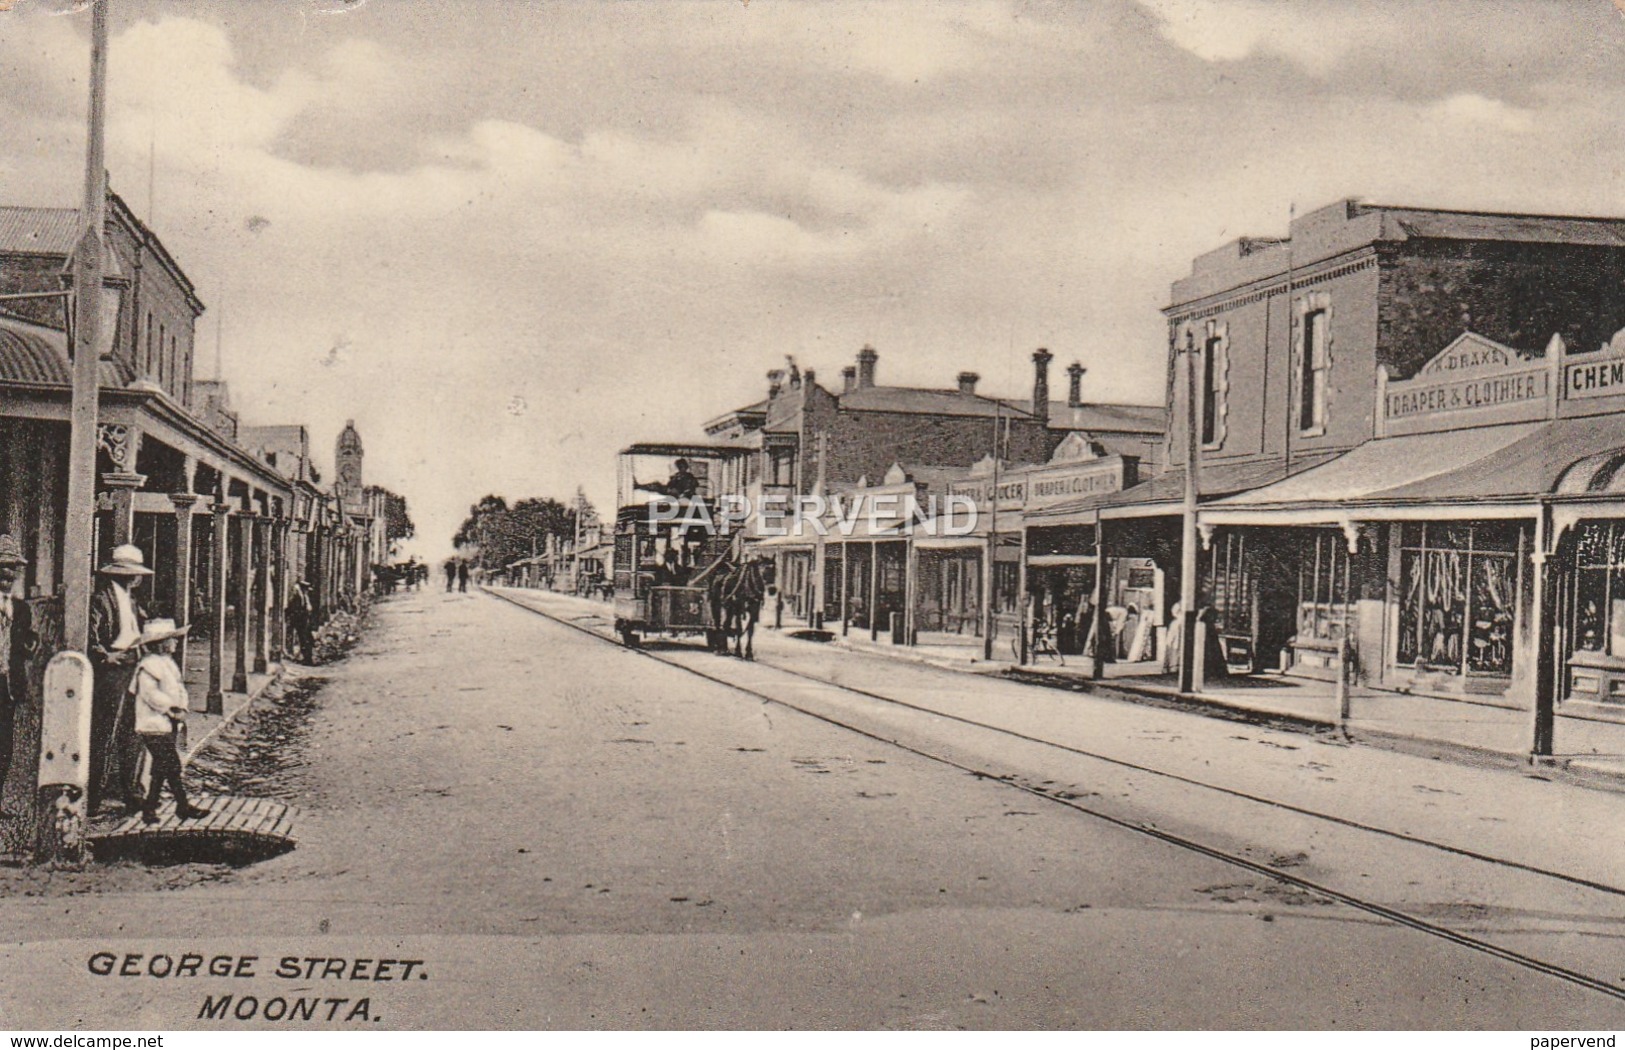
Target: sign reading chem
x,y
1600,376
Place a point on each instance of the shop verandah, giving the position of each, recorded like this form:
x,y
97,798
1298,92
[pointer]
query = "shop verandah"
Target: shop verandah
x,y
1477,565
214,523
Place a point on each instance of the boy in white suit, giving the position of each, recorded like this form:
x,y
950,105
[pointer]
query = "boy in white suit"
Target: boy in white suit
x,y
160,706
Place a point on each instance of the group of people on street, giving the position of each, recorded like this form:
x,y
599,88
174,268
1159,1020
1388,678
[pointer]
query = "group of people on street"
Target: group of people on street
x,y
410,574
140,704
140,701
456,574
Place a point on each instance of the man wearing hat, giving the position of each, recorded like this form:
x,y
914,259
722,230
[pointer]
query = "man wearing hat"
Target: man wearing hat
x,y
115,630
682,484
14,638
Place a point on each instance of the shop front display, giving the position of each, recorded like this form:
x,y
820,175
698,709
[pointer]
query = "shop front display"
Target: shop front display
x,y
1596,627
1459,591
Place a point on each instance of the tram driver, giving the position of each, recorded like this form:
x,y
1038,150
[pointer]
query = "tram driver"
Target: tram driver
x,y
681,485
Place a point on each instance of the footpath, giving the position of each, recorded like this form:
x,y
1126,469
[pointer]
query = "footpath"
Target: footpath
x,y
1469,800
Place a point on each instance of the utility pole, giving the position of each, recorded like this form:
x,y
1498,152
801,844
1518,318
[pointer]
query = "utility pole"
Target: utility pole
x,y
989,577
65,732
1188,539
815,604
87,323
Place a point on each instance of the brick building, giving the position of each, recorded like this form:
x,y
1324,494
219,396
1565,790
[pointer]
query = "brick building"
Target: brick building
x,y
870,432
1408,428
868,427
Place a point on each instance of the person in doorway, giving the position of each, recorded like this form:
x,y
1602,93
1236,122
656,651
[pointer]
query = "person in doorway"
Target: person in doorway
x,y
115,628
462,577
301,614
1127,632
15,639
1083,621
160,710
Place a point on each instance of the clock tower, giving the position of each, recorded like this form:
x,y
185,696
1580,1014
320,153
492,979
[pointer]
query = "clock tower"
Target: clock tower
x,y
347,462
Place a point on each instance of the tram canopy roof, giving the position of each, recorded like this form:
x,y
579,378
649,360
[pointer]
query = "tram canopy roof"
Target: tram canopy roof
x,y
1506,465
698,450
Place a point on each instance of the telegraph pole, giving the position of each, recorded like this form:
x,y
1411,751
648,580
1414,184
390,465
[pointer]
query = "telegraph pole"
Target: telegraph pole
x,y
1188,538
87,323
64,765
815,603
989,575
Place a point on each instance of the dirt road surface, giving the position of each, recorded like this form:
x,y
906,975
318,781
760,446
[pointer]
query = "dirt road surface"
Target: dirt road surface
x,y
560,833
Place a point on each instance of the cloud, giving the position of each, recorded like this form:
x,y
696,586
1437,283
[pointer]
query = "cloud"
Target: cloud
x,y
1231,30
606,221
1492,112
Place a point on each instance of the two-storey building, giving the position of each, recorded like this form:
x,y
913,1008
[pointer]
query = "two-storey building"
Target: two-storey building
x,y
1406,421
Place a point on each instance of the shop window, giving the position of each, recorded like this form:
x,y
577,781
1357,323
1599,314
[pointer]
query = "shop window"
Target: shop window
x,y
1312,362
1599,605
1232,585
1213,381
1459,591
1324,598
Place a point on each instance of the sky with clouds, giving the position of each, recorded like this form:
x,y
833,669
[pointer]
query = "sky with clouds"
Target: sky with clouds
x,y
508,238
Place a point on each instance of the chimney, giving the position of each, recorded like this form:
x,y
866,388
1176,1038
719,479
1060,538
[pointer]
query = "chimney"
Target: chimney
x,y
775,383
967,383
1041,360
849,379
1074,384
866,367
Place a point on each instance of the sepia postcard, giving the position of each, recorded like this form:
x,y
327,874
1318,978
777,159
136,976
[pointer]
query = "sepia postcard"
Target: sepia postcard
x,y
836,515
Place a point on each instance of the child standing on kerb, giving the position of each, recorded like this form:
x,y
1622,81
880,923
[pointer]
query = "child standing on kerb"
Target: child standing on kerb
x,y
160,707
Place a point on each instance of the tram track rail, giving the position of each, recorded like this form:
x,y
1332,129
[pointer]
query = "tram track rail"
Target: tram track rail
x,y
1365,905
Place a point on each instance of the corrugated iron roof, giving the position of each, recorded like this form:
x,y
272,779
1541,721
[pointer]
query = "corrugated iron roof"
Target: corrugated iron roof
x,y
1216,479
38,231
1515,462
1137,419
30,353
916,401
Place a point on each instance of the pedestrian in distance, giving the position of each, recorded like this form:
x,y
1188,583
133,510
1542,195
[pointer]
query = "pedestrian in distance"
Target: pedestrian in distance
x,y
15,641
462,577
161,705
451,574
301,613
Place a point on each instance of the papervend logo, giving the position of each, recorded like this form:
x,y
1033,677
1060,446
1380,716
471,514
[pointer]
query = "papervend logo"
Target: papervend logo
x,y
886,514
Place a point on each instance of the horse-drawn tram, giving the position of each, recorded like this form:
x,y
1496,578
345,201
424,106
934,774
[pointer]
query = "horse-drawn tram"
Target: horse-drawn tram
x,y
671,548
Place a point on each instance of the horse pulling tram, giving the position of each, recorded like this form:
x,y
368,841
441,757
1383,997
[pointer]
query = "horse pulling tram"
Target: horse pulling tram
x,y
677,571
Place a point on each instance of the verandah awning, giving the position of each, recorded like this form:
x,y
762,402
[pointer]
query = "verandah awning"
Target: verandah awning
x,y
1165,493
1483,472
